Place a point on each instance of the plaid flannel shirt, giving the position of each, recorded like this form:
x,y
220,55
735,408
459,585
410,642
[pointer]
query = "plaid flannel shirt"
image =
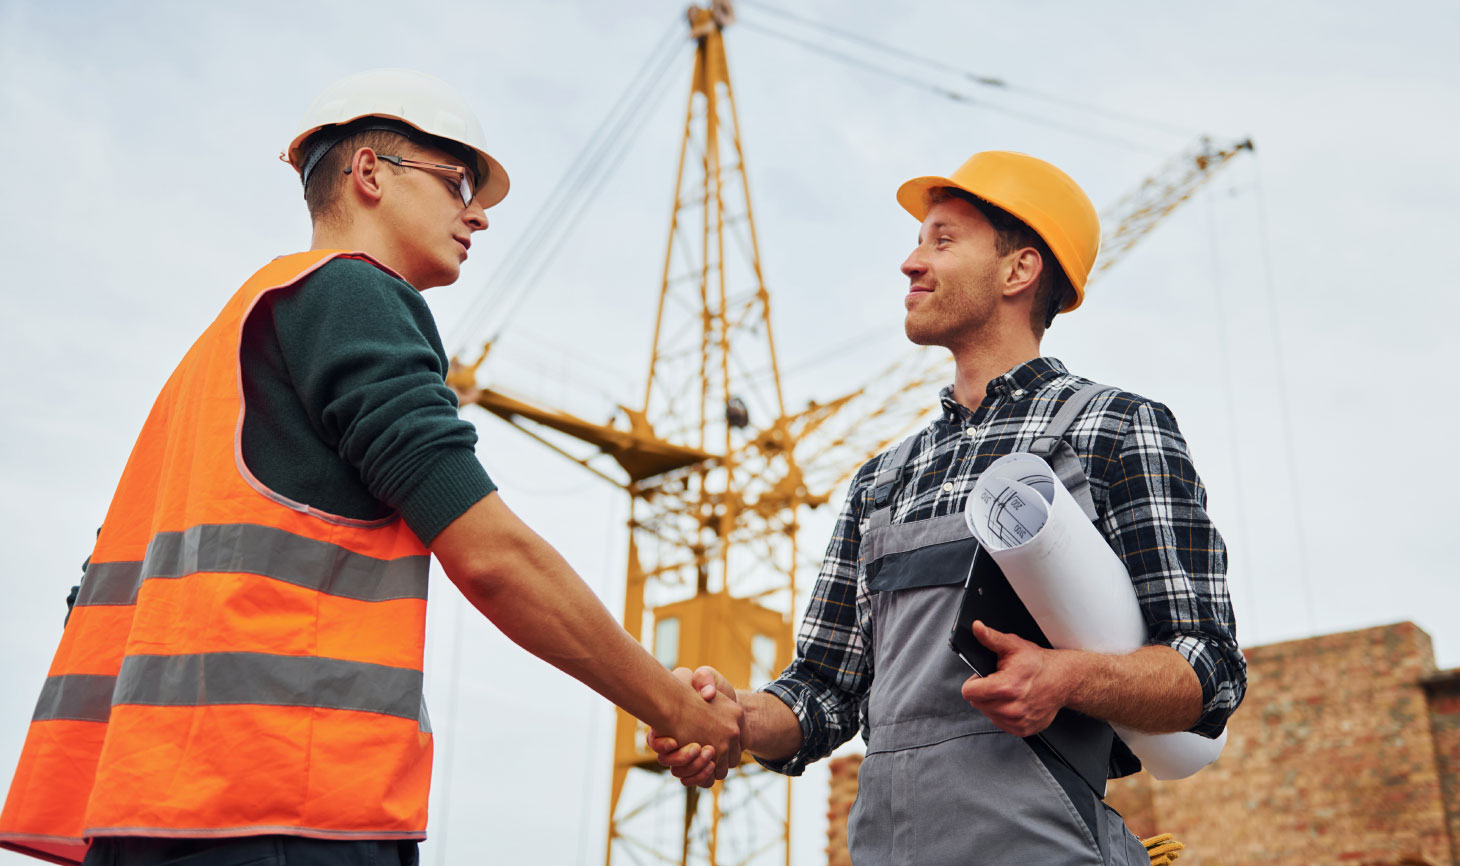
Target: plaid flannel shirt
x,y
1152,510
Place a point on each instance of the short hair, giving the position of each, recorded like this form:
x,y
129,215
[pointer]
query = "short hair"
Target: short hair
x,y
1012,233
327,177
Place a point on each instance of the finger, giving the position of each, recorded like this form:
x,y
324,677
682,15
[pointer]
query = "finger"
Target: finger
x,y
988,691
680,757
684,675
987,636
707,680
693,771
660,744
971,691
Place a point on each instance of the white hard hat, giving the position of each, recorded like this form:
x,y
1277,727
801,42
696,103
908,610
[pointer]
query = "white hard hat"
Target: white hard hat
x,y
415,99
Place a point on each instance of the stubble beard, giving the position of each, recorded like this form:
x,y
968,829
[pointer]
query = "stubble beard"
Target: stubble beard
x,y
954,314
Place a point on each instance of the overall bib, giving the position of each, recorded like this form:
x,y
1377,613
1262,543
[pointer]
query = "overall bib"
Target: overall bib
x,y
941,785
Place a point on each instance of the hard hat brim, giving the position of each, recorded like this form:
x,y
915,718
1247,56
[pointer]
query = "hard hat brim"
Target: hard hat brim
x,y
913,195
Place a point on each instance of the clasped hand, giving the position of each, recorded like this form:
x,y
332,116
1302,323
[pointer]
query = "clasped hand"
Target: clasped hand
x,y
696,763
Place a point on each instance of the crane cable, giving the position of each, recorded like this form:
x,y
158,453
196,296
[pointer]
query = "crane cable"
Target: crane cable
x,y
574,190
1229,398
1280,371
947,93
974,77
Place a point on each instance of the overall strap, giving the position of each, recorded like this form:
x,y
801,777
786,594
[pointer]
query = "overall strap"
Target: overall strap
x,y
1058,453
888,480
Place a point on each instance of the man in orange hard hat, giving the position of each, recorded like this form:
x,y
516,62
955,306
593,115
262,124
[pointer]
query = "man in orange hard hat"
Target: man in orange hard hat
x,y
240,679
954,772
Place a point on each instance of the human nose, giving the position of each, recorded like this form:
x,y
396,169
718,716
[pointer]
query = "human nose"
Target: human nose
x,y
913,266
475,217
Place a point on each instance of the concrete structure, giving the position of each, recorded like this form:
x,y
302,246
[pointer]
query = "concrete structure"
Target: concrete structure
x,y
1346,751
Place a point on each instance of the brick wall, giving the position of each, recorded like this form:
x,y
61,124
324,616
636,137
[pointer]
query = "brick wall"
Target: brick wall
x,y
1346,751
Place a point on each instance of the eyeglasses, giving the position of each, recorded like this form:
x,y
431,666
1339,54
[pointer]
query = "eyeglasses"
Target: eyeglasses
x,y
455,172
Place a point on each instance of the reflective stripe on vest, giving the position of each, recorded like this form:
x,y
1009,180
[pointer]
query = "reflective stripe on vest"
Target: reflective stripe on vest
x,y
294,559
210,679
236,663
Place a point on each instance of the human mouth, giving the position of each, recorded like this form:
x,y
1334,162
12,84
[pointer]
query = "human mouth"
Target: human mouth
x,y
465,245
914,292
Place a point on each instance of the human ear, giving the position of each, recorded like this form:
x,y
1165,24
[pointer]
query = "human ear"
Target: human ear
x,y
1023,272
364,173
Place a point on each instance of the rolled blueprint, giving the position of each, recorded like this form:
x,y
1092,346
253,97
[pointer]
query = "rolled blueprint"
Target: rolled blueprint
x,y
1073,584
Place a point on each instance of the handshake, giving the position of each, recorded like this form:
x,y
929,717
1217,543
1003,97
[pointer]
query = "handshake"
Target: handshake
x,y
712,735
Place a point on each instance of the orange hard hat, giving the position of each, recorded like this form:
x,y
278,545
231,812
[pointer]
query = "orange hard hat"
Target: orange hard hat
x,y
1045,198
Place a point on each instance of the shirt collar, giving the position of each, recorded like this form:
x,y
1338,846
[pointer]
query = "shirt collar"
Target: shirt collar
x,y
1023,379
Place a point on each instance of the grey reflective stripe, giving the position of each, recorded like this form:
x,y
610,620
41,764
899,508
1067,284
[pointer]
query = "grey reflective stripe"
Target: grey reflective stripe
x,y
110,583
425,719
78,697
883,541
273,680
252,549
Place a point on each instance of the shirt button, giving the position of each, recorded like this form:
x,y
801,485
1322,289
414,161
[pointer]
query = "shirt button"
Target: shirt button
x,y
947,486
1018,393
970,432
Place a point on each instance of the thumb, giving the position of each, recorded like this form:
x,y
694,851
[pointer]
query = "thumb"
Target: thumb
x,y
997,641
706,680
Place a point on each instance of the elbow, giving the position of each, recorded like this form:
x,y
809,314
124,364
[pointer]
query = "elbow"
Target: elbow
x,y
485,572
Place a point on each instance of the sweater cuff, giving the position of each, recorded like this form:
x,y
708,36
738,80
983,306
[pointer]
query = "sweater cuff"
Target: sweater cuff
x,y
454,483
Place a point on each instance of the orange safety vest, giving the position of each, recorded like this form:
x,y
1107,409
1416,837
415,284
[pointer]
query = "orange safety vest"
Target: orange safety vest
x,y
237,663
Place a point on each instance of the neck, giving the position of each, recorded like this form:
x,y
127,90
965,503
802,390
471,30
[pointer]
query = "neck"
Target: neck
x,y
980,361
358,237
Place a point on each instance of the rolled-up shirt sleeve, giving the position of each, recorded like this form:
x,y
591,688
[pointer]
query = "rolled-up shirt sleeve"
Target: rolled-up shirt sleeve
x,y
1156,520
832,671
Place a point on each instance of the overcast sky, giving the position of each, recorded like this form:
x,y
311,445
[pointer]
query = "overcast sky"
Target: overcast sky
x,y
1296,316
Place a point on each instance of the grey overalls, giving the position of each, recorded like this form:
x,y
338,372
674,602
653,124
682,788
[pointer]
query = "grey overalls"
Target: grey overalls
x,y
941,785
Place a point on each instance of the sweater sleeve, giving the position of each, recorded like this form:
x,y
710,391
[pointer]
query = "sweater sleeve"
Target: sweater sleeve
x,y
367,363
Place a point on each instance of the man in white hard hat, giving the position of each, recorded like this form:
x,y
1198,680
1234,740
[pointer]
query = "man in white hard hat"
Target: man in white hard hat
x,y
240,678
954,773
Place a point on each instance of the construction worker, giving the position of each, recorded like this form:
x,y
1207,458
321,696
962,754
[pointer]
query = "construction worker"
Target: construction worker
x,y
1005,244
240,679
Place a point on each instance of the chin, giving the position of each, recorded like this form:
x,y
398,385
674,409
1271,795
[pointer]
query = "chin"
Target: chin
x,y
443,276
921,336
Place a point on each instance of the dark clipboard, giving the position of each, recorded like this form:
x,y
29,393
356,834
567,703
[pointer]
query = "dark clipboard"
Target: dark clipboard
x,y
1081,742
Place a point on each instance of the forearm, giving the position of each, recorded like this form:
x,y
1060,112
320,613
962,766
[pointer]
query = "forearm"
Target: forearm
x,y
536,599
772,731
1153,689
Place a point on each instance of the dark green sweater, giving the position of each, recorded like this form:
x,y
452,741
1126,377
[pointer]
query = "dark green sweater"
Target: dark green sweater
x,y
346,404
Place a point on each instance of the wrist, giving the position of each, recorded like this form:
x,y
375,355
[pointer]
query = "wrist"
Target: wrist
x,y
675,705
1072,670
771,730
